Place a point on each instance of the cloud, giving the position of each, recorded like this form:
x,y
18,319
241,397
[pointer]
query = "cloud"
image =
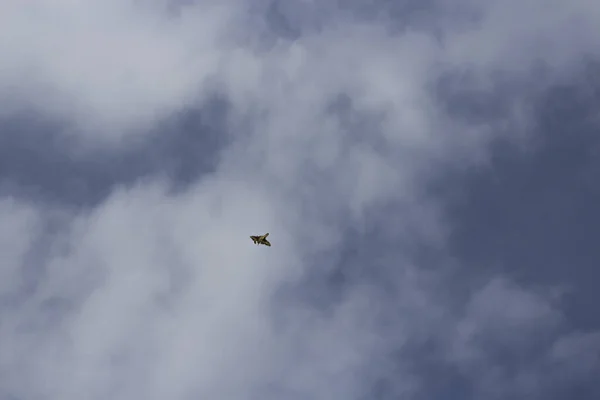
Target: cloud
x,y
333,132
111,67
16,237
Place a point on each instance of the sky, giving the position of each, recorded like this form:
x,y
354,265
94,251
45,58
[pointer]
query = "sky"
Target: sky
x,y
427,171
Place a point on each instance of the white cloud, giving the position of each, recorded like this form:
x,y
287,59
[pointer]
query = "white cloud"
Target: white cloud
x,y
16,237
109,67
158,295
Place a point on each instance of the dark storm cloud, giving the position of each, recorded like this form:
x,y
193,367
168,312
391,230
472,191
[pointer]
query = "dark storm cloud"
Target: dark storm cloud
x,y
41,162
533,213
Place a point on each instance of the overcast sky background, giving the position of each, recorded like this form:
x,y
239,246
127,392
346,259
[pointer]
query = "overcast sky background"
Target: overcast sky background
x,y
427,170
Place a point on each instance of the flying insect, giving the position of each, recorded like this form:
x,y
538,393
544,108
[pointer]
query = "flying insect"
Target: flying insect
x,y
261,239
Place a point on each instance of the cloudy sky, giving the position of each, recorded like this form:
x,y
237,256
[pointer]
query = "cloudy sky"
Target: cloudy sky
x,y
428,171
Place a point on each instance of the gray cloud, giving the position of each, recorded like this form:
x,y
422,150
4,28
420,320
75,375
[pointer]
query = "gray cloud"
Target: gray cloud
x,y
332,126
